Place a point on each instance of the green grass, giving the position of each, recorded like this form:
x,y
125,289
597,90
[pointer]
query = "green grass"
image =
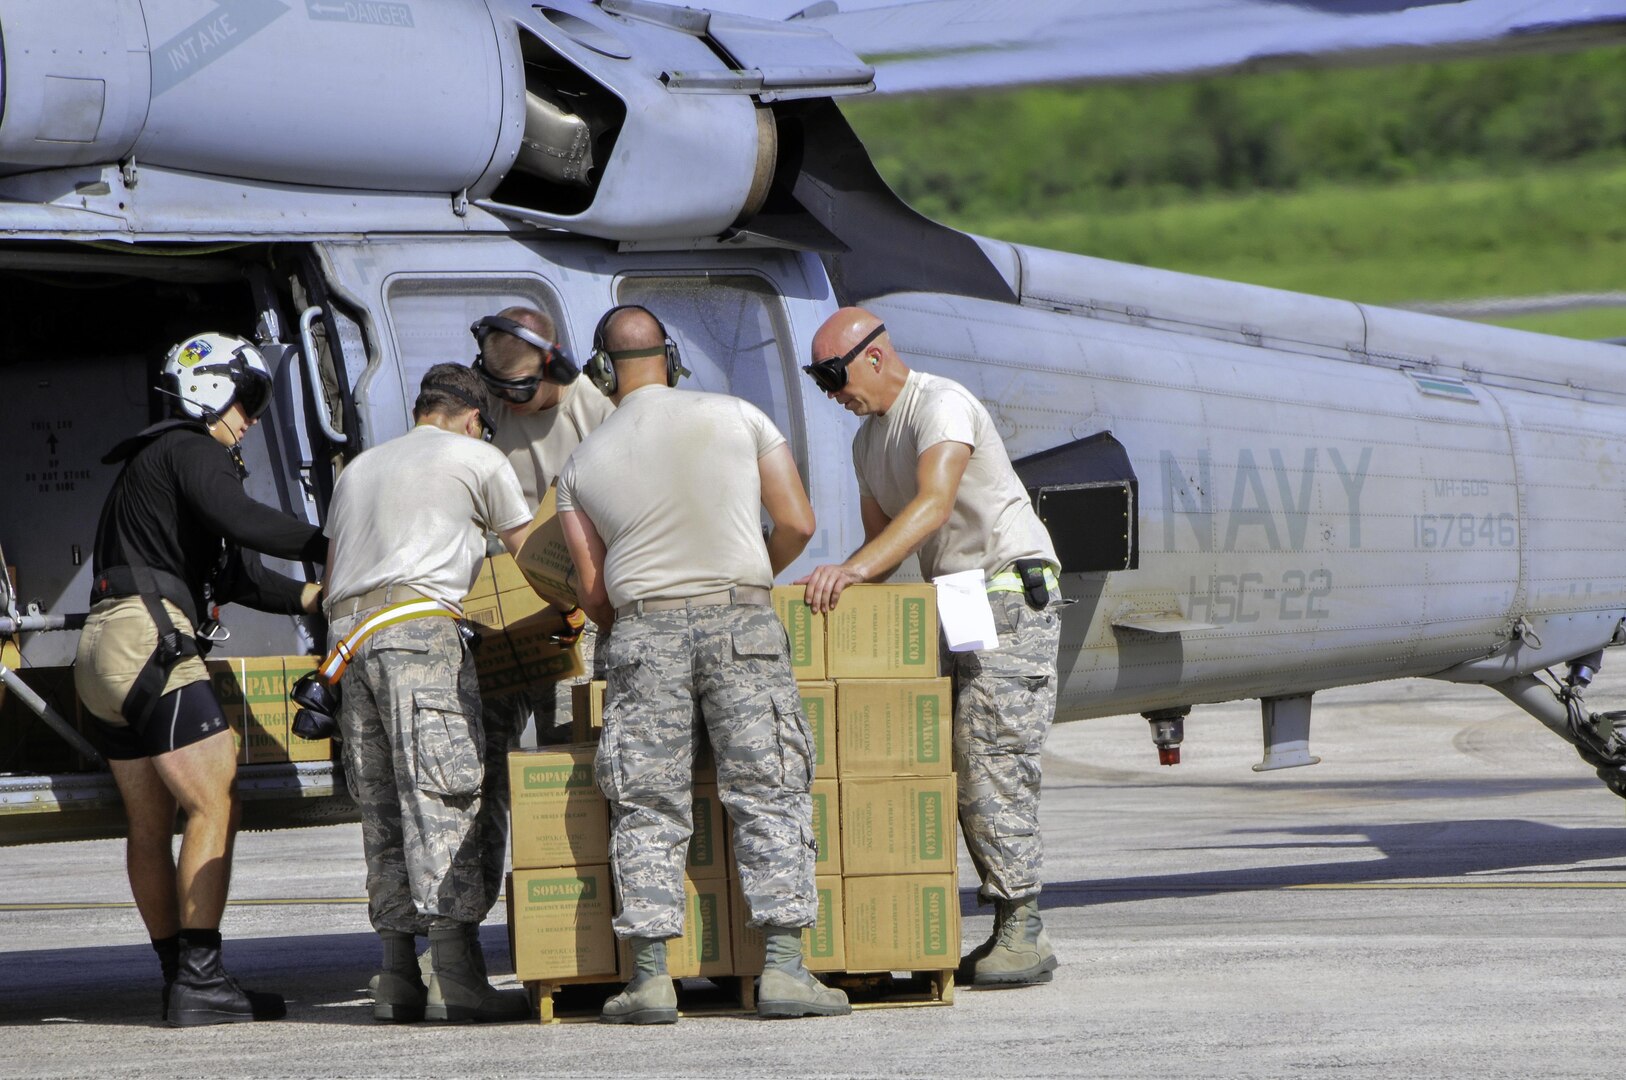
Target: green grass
x,y
1548,230
1593,324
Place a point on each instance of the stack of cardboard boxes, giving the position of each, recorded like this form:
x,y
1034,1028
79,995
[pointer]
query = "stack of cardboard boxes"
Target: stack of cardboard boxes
x,y
883,815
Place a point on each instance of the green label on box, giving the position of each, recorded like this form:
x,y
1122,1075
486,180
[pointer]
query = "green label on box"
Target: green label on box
x,y
813,708
799,625
824,938
821,828
930,806
702,844
914,631
928,732
707,924
555,890
934,921
563,776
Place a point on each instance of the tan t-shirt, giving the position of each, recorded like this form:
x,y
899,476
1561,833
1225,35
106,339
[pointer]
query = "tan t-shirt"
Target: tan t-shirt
x,y
538,444
415,510
993,523
670,482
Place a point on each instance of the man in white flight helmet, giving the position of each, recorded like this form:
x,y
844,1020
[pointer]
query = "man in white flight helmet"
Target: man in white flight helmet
x,y
174,541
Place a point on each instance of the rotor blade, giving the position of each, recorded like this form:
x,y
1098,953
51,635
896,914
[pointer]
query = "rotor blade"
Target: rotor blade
x,y
934,45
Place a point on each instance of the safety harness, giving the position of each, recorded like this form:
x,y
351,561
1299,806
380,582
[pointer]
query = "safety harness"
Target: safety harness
x,y
153,587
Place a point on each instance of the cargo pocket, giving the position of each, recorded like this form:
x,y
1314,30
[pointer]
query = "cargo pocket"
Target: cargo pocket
x,y
762,639
795,740
447,746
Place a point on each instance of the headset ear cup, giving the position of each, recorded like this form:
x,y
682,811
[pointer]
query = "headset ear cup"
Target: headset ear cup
x,y
601,370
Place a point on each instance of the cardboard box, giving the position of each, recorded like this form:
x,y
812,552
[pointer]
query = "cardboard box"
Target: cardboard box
x,y
293,668
507,609
708,846
559,816
902,923
524,655
586,711
704,950
819,706
229,692
824,945
883,632
805,630
253,693
827,826
545,558
559,924
897,826
895,727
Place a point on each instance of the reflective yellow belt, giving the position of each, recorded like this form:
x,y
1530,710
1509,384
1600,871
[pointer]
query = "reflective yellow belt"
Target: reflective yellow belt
x,y
345,650
1011,581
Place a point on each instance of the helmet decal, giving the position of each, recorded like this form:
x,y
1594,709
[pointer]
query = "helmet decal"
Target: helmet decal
x,y
193,352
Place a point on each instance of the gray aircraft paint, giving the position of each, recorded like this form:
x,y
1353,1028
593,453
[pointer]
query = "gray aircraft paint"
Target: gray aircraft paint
x,y
1332,493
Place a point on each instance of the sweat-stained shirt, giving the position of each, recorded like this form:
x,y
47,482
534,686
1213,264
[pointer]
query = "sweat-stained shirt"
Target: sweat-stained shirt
x,y
670,482
414,511
992,523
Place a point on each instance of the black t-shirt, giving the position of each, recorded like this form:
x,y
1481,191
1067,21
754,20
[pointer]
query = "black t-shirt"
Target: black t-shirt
x,y
177,499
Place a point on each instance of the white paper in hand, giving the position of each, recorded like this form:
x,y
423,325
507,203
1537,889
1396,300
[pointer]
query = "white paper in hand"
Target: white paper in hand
x,y
963,611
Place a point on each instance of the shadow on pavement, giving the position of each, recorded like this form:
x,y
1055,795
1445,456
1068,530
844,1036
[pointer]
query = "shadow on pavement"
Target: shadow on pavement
x,y
1421,850
323,976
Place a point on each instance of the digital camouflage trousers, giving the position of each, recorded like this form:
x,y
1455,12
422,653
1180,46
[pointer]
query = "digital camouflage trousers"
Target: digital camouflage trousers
x,y
1004,702
414,750
726,667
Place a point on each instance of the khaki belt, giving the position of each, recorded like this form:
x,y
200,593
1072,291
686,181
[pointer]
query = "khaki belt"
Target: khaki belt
x,y
376,598
740,594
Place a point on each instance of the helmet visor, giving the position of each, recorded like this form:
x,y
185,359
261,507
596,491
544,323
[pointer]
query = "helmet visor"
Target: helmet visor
x,y
253,391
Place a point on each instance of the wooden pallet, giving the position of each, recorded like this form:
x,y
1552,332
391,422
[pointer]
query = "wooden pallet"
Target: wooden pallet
x,y
578,1002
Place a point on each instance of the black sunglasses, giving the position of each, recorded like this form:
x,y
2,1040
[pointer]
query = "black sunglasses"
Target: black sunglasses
x,y
831,373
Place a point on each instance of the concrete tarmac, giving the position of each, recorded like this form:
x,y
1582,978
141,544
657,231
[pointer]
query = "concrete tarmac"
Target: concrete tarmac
x,y
1443,895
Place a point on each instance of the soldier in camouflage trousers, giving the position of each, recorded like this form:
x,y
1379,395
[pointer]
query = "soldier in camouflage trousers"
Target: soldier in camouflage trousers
x,y
661,508
407,524
1004,700
413,759
732,661
934,479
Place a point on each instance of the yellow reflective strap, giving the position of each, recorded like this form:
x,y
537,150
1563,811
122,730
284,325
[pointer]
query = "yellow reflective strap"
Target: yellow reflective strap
x,y
1011,581
344,651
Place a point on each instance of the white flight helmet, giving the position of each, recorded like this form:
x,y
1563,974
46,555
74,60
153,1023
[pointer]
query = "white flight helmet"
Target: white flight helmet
x,y
209,372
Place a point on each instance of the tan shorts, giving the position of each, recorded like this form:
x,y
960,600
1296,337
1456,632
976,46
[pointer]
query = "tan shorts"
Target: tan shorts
x,y
116,643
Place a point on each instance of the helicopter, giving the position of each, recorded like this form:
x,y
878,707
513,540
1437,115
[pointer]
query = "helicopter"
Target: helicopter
x,y
1254,493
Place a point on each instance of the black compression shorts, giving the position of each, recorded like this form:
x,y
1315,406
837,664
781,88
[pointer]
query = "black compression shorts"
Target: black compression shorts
x,y
181,718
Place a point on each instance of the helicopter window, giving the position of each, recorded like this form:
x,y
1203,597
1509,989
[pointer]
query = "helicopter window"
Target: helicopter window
x,y
733,335
431,318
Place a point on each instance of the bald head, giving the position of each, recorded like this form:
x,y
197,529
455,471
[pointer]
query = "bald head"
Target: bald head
x,y
633,330
875,373
843,330
637,347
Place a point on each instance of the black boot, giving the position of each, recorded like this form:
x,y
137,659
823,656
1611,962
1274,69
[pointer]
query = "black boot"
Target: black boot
x,y
398,991
204,993
169,959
